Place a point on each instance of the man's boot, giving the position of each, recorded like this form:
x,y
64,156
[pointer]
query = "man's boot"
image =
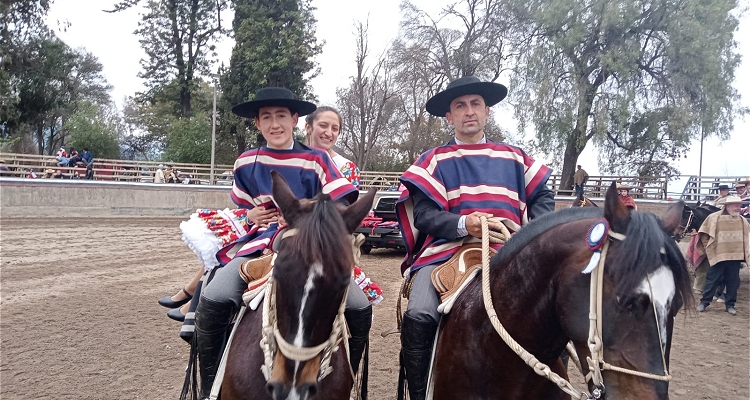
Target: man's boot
x,y
417,339
211,322
359,322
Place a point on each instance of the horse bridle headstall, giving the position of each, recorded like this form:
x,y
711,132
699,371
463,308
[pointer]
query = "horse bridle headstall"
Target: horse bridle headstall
x,y
272,339
684,228
595,361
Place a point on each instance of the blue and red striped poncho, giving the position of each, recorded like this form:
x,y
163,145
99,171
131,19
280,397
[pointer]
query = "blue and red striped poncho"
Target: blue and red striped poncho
x,y
495,178
308,172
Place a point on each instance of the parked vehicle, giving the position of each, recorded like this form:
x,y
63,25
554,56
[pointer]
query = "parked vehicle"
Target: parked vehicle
x,y
381,227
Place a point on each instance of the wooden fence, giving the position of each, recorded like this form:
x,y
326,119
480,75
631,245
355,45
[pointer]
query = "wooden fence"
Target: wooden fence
x,y
19,165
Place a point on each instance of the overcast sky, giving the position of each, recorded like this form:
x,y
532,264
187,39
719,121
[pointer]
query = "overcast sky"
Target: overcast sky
x,y
110,38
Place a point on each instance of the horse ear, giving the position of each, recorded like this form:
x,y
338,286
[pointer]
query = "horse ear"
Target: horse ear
x,y
284,198
672,217
615,211
355,213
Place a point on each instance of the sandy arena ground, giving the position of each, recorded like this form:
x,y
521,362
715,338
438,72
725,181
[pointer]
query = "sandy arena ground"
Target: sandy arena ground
x,y
79,318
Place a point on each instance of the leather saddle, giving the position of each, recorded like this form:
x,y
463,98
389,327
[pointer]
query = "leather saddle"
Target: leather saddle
x,y
449,277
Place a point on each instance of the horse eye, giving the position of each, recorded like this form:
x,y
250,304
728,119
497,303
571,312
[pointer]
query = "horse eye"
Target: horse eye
x,y
635,304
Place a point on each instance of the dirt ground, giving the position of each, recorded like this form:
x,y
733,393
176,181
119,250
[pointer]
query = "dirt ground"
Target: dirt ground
x,y
79,318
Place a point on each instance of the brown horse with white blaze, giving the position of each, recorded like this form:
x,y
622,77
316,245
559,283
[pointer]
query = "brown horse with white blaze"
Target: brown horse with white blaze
x,y
310,278
542,298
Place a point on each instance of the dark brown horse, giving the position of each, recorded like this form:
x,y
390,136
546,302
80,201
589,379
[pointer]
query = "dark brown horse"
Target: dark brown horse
x,y
582,201
693,216
542,299
311,274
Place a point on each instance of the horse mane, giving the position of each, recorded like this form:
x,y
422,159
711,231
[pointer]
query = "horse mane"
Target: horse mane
x,y
541,225
639,255
322,233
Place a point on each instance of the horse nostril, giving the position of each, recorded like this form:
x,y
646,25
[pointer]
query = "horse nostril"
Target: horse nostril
x,y
273,388
310,388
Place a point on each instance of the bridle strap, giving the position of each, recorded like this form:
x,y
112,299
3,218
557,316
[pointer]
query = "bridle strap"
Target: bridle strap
x,y
596,361
684,227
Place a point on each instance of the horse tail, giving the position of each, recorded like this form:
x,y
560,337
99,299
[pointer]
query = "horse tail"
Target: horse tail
x,y
401,388
190,385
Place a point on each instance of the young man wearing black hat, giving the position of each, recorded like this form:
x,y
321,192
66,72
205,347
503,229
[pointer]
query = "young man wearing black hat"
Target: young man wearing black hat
x,y
449,189
308,171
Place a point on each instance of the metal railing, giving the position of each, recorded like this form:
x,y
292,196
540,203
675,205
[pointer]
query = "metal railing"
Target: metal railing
x,y
652,188
705,188
20,166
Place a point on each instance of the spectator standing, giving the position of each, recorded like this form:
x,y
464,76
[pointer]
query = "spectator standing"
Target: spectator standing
x,y
159,174
579,179
724,237
3,167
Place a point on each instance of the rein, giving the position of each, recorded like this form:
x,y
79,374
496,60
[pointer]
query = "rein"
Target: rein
x,y
596,361
272,339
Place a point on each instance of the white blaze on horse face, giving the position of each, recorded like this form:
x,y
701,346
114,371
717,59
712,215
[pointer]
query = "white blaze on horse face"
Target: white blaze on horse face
x,y
661,293
316,270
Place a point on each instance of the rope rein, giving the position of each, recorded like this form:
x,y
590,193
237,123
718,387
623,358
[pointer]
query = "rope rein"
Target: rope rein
x,y
539,367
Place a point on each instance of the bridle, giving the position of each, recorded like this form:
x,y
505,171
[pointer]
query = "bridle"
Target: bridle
x,y
682,234
272,339
595,361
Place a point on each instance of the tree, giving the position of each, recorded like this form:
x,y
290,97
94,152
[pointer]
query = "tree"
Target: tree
x,y
52,79
189,140
275,45
631,75
19,19
469,37
95,129
178,37
367,106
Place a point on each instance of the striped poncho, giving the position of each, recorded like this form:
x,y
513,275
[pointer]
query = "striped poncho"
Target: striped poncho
x,y
495,178
308,172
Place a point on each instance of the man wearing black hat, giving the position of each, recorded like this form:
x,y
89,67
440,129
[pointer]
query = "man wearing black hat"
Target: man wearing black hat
x,y
723,194
449,189
308,171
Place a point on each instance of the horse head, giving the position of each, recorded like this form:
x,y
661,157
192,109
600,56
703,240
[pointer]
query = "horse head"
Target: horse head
x,y
645,284
311,275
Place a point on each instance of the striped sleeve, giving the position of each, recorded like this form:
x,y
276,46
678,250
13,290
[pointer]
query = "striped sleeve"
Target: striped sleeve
x,y
240,187
535,176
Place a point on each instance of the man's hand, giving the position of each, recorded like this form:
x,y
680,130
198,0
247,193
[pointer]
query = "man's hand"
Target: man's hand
x,y
262,217
474,224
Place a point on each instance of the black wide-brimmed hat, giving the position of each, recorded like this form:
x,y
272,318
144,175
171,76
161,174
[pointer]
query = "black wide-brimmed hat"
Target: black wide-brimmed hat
x,y
273,97
492,93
